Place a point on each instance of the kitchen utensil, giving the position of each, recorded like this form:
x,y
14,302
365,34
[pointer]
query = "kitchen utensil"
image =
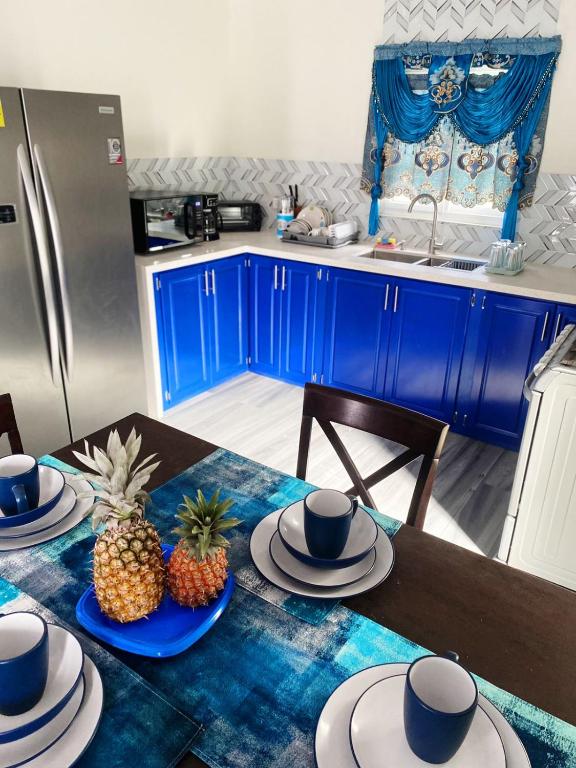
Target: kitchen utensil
x,y
19,484
361,539
260,552
328,515
65,659
51,484
439,705
56,515
23,661
378,739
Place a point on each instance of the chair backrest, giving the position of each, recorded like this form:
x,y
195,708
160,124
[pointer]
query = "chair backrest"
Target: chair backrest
x,y
8,424
422,435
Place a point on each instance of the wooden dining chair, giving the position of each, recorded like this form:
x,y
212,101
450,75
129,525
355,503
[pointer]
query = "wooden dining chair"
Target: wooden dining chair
x,y
8,424
422,435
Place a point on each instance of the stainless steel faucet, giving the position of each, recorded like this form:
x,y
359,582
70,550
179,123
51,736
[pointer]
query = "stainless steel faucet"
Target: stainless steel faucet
x,y
433,244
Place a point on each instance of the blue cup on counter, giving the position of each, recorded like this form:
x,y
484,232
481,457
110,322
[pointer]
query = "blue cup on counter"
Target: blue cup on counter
x,y
23,661
327,519
440,700
19,484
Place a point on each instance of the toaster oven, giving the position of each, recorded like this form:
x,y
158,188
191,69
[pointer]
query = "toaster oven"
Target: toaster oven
x,y
239,216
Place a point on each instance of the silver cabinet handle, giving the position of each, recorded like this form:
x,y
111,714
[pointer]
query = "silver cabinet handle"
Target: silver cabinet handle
x,y
59,258
544,326
213,283
206,287
283,278
275,277
44,260
395,298
557,328
483,302
386,297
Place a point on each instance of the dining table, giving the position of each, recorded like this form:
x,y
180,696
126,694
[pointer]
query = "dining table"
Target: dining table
x,y
509,627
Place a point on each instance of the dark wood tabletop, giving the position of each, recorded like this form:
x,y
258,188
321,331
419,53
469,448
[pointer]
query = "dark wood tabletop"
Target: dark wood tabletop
x,y
515,630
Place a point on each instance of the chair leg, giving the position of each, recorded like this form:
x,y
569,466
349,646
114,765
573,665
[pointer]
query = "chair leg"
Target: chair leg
x,y
304,447
422,493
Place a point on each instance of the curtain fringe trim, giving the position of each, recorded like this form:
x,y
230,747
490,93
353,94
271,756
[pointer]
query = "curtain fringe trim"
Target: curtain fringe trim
x,y
530,46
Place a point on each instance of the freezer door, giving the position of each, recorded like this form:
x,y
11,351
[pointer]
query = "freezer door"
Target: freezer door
x,y
77,146
29,364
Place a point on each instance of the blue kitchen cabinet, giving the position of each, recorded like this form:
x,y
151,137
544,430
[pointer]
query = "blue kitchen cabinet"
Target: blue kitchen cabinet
x,y
427,334
358,309
265,310
299,328
507,336
182,322
228,313
283,302
565,314
201,314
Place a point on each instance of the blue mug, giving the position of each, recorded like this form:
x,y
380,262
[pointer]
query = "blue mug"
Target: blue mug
x,y
440,700
19,484
327,519
23,661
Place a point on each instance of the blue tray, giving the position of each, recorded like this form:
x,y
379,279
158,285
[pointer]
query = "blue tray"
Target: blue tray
x,y
167,631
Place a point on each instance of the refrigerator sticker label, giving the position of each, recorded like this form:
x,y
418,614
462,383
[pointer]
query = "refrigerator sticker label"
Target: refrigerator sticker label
x,y
115,152
2,123
106,110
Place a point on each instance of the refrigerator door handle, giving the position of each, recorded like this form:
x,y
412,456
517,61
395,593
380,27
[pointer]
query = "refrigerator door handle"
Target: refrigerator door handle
x,y
41,241
59,257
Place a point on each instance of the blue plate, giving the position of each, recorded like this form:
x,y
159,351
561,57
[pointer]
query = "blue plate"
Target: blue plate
x,y
167,631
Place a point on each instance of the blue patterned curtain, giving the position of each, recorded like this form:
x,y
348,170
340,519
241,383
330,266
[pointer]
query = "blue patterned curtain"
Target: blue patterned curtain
x,y
441,122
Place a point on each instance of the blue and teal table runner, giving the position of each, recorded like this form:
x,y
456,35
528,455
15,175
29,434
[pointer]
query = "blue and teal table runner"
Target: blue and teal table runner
x,y
258,680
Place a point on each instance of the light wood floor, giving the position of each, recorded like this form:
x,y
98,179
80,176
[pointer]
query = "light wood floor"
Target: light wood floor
x,y
260,418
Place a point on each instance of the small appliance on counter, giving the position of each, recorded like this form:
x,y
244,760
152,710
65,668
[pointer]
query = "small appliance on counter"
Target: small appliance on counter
x,y
239,216
163,220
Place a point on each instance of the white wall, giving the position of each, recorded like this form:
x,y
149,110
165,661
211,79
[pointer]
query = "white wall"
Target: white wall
x,y
238,77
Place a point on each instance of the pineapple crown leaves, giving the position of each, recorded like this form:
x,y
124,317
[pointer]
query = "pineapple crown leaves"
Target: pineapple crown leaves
x,y
202,524
119,483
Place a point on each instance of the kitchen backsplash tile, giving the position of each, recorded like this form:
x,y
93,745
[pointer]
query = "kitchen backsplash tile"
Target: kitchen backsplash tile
x,y
461,19
549,227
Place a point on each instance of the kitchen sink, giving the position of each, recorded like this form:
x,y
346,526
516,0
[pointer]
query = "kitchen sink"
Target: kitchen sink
x,y
422,259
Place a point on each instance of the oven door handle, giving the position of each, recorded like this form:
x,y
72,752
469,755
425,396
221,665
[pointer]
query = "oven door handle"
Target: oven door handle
x,y
192,236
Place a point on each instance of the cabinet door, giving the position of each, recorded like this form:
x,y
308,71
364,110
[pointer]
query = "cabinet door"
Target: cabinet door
x,y
508,336
228,302
428,328
265,316
298,283
357,328
184,333
565,314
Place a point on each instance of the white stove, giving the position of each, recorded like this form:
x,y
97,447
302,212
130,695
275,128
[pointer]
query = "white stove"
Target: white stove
x,y
540,530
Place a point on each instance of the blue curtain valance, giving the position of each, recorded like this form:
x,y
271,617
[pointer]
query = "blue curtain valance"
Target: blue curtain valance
x,y
511,106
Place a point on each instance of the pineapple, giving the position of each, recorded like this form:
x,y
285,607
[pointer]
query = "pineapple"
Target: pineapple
x,y
197,566
129,572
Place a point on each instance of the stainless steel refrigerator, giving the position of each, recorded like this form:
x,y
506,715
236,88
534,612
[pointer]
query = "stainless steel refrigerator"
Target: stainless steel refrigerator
x,y
70,345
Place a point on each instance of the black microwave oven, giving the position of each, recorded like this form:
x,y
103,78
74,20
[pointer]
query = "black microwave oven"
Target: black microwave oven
x,y
163,220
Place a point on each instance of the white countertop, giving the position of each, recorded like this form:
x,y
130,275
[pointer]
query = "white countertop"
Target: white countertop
x,y
556,284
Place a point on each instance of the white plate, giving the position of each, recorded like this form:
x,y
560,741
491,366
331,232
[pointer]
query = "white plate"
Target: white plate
x,y
361,539
332,743
318,577
70,521
23,750
64,670
72,744
51,482
58,513
378,738
260,551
